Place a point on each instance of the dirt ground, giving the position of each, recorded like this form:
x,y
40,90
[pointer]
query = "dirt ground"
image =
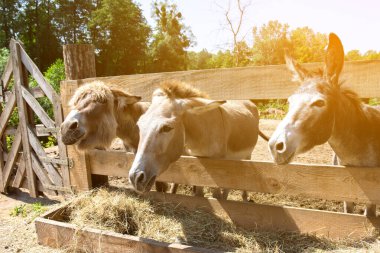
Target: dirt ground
x,y
17,234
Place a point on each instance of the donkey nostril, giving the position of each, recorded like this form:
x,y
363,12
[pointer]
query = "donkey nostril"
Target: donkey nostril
x,y
74,125
280,146
140,178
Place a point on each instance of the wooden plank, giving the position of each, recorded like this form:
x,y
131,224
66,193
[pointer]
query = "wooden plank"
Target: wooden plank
x,y
37,108
12,157
58,234
258,82
18,77
276,218
80,174
39,186
58,117
7,112
53,173
7,74
41,174
20,175
41,130
357,184
37,75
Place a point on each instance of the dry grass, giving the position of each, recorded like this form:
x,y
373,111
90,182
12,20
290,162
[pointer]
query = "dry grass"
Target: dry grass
x,y
124,212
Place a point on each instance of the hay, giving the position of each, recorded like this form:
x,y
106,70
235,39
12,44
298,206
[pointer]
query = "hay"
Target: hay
x,y
124,212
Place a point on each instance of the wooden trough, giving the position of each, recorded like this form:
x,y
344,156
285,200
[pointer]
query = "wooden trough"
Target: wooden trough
x,y
310,181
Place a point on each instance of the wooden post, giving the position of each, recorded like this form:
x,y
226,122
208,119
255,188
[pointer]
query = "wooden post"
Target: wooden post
x,y
79,64
24,118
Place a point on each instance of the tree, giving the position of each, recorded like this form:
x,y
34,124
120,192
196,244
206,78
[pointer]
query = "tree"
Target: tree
x,y
235,29
4,54
353,55
9,21
307,46
38,33
71,20
371,55
200,60
269,43
222,60
170,40
121,36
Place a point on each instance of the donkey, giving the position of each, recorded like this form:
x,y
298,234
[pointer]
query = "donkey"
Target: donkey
x,y
99,114
323,110
182,120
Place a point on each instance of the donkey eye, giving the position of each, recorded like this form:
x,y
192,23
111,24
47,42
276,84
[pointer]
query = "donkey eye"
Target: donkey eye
x,y
165,129
318,103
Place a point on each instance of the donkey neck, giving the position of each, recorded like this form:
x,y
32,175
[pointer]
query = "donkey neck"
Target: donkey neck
x,y
126,119
352,137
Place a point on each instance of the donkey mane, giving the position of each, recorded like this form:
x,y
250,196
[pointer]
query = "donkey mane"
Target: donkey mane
x,y
95,91
178,89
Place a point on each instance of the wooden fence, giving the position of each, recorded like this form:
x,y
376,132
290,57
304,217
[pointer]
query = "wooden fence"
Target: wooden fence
x,y
313,181
26,164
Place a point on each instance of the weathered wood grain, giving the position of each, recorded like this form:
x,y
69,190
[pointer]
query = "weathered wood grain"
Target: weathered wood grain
x,y
259,82
37,108
7,73
53,173
18,77
20,175
37,75
276,218
12,157
356,184
7,112
58,234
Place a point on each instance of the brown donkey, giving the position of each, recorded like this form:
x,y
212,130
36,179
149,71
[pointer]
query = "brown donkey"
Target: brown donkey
x,y
99,114
322,110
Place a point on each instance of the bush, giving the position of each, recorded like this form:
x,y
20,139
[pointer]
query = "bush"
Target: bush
x,y
4,54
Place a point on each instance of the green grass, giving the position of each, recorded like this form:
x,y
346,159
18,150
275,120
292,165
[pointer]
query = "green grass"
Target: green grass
x,y
267,108
31,211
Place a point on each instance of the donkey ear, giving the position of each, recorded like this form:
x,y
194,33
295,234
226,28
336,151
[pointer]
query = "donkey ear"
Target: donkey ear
x,y
123,99
334,59
299,73
210,105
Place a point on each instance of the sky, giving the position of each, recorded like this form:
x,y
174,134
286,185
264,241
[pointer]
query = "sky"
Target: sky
x,y
356,22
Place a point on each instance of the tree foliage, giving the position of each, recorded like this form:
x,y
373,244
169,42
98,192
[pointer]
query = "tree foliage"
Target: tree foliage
x,y
171,39
4,54
121,35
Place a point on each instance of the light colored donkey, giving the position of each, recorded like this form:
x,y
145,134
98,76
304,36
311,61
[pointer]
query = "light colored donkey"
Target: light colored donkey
x,y
181,120
323,110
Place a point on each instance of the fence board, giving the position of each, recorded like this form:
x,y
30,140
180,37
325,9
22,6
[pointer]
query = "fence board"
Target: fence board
x,y
7,112
41,173
18,77
259,82
37,75
6,77
53,173
20,175
37,108
315,181
12,156
275,218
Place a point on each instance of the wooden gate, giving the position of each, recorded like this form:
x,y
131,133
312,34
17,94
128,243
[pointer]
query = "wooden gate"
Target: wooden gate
x,y
25,163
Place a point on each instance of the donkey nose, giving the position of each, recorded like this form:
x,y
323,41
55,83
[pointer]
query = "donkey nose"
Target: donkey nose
x,y
280,147
73,125
140,178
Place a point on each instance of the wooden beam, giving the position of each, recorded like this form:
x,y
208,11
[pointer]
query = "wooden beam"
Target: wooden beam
x,y
355,184
18,77
42,175
58,234
37,75
58,117
53,173
259,82
20,175
7,112
37,108
7,74
12,157
276,218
